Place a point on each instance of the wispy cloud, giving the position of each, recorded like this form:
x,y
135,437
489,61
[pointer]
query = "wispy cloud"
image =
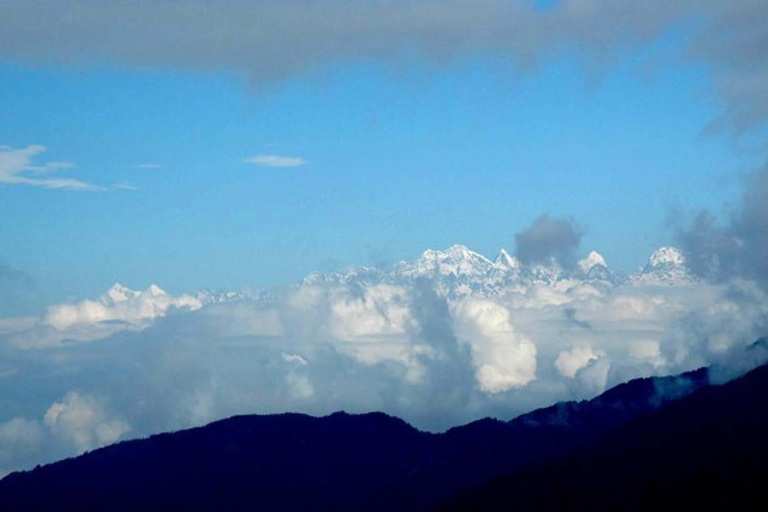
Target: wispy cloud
x,y
276,161
148,166
124,186
17,168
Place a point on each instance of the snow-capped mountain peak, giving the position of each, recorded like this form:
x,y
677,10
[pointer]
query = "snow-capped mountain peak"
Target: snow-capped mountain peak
x,y
458,272
594,258
119,293
453,253
666,266
505,260
457,260
666,256
594,269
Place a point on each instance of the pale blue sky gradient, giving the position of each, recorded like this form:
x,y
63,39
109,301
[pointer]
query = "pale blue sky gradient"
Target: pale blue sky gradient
x,y
399,160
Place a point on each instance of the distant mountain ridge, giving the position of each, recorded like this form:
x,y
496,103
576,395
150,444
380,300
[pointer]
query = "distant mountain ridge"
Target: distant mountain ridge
x,y
339,462
458,271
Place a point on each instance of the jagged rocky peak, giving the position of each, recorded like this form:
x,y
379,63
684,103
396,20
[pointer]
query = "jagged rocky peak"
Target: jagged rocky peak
x,y
505,260
594,259
666,256
666,266
458,271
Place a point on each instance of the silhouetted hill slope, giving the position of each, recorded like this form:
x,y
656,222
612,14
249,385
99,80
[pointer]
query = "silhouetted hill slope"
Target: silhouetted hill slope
x,y
707,451
339,462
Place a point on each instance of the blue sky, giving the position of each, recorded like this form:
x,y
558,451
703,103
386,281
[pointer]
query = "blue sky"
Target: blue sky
x,y
399,158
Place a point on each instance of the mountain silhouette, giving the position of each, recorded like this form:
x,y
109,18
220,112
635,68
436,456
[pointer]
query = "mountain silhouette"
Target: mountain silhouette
x,y
378,462
705,452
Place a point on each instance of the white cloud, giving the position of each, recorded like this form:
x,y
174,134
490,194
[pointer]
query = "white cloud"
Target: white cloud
x,y
379,310
118,310
82,421
148,166
295,359
569,362
124,186
647,350
502,358
16,168
276,161
21,441
594,376
171,362
371,325
19,433
300,387
71,426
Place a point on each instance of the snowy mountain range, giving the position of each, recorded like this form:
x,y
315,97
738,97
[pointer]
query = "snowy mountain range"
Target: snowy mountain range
x,y
458,271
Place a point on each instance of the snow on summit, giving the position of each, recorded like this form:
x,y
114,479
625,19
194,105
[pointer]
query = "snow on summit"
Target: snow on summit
x,y
455,273
459,271
594,258
666,256
666,267
457,260
505,260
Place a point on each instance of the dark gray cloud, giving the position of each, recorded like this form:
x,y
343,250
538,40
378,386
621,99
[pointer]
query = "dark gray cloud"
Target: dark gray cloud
x,y
721,251
548,238
735,44
273,39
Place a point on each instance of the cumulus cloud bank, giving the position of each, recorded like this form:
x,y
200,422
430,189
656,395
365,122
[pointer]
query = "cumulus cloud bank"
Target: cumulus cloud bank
x,y
502,359
417,342
117,310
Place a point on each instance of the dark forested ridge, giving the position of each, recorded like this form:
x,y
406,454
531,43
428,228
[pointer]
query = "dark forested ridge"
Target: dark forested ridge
x,y
377,462
708,451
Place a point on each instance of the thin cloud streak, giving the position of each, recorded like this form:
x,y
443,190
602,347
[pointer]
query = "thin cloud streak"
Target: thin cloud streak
x,y
16,167
276,161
